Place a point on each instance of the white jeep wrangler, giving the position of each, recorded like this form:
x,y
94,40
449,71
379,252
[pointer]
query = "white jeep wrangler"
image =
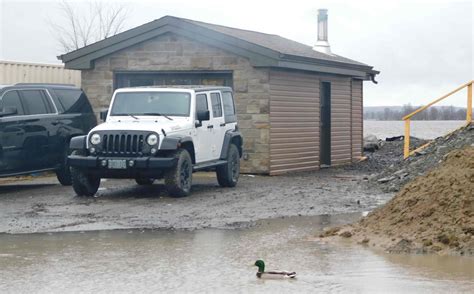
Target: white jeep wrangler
x,y
155,132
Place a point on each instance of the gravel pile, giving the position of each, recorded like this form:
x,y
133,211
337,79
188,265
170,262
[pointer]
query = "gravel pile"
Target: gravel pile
x,y
397,172
387,154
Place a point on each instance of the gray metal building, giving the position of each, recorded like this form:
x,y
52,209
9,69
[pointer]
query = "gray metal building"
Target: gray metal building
x,y
299,107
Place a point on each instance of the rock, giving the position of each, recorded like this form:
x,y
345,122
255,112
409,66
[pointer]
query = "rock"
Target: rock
x,y
393,188
442,149
385,180
401,173
371,143
371,147
420,153
371,138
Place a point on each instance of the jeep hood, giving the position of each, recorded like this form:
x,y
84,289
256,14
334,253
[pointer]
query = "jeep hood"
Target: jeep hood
x,y
145,124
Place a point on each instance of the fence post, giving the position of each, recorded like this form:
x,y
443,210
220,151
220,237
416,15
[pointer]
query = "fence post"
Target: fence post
x,y
406,146
469,103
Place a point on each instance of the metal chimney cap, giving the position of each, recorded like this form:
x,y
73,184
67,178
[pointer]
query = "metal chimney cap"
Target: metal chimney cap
x,y
322,44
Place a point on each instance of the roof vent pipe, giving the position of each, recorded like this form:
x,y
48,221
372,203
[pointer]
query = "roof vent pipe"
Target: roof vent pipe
x,y
322,45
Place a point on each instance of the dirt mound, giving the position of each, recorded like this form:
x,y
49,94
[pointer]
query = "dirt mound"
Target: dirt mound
x,y
433,213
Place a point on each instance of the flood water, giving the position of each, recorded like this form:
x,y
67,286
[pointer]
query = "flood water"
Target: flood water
x,y
424,129
220,261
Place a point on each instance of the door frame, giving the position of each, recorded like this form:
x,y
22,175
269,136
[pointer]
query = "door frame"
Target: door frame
x,y
325,145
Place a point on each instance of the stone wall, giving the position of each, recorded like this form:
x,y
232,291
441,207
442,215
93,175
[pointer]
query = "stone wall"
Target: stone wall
x,y
171,52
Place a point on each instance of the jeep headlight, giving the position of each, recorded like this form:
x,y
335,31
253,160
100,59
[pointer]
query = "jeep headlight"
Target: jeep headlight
x,y
95,139
152,139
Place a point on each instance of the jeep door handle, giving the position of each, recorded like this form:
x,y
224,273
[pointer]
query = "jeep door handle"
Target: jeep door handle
x,y
222,125
210,126
56,122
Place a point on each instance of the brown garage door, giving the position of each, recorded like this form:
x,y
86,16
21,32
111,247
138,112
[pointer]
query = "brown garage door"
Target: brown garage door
x,y
294,122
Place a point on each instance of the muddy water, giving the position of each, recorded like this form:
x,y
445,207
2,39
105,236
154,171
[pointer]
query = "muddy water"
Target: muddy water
x,y
219,261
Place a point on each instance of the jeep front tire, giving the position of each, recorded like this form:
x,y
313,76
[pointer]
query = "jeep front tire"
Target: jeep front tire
x,y
82,183
228,174
178,180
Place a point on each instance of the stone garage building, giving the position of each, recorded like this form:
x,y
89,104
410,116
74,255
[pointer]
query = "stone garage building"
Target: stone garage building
x,y
298,108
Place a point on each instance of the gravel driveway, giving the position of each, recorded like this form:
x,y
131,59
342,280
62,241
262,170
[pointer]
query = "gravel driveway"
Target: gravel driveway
x,y
42,205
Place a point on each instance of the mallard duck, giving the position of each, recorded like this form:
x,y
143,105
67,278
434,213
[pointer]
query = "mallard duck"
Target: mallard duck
x,y
262,274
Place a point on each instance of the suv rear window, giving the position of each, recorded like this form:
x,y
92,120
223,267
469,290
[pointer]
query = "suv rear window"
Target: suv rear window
x,y
35,102
73,101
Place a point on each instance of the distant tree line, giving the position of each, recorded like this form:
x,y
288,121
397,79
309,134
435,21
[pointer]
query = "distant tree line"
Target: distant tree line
x,y
432,113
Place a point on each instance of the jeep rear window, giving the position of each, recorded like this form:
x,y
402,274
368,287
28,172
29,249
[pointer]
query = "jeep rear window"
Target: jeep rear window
x,y
229,107
151,103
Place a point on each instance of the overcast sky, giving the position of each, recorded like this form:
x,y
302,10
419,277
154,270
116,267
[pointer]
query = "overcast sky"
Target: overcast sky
x,y
422,48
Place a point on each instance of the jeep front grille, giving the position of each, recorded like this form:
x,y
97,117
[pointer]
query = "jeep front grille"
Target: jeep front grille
x,y
122,144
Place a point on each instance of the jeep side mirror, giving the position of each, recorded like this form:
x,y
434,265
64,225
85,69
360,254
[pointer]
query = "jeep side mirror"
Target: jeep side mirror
x,y
200,116
103,114
203,115
9,110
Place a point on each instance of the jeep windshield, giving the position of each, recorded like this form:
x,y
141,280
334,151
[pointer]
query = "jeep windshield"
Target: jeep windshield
x,y
151,104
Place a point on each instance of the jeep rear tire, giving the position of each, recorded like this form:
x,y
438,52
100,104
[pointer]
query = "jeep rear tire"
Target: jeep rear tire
x,y
63,173
82,183
228,174
178,180
144,181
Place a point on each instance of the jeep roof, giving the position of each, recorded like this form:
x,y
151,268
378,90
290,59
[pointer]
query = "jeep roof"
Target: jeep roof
x,y
196,88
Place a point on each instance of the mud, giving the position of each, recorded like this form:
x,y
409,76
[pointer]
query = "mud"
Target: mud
x,y
431,214
41,205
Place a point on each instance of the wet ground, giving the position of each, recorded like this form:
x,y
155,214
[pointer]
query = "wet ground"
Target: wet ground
x,y
42,205
220,261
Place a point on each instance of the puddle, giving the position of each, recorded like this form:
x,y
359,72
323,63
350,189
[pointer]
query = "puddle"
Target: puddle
x,y
219,261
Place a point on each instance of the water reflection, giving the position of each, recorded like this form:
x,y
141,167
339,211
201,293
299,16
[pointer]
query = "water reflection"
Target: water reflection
x,y
218,261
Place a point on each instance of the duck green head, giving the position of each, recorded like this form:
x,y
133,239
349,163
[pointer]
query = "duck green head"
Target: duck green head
x,y
261,265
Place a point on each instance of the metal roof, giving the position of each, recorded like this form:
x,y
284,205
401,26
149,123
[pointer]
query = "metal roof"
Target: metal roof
x,y
263,50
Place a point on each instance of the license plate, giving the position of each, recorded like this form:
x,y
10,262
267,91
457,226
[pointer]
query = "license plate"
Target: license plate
x,y
117,164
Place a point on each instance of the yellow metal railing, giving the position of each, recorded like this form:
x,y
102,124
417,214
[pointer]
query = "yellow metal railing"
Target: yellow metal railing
x,y
407,118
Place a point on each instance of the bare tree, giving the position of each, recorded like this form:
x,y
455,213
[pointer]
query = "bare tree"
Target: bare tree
x,y
76,28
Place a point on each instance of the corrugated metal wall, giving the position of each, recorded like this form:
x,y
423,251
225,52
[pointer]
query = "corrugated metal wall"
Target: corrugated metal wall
x,y
357,120
12,72
341,145
294,122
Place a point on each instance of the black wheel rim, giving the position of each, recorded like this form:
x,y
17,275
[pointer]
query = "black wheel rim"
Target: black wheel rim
x,y
185,175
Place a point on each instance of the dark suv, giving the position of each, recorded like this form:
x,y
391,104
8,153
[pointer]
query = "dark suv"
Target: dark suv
x,y
37,122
